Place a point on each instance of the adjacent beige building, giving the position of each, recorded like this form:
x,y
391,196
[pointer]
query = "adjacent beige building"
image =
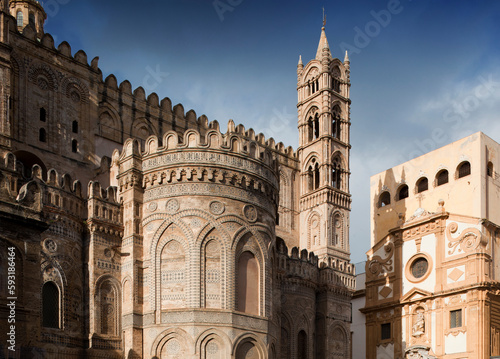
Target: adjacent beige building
x,y
432,275
140,230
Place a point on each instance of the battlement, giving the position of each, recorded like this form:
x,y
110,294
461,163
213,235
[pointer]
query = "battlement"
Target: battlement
x,y
305,265
236,139
54,192
146,106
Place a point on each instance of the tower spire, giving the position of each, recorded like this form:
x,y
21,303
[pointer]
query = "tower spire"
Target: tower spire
x,y
323,42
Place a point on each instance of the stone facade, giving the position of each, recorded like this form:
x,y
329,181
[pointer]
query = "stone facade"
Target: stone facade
x,y
141,231
432,275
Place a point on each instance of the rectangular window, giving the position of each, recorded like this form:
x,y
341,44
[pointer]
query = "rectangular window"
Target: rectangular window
x,y
456,318
385,331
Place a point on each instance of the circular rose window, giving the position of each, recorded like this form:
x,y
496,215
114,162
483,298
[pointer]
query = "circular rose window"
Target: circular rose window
x,y
419,267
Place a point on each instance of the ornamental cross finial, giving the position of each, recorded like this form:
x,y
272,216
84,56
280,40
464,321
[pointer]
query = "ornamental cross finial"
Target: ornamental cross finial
x,y
324,17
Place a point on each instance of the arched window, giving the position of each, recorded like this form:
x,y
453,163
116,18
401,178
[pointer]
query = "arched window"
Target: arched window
x,y
385,199
312,124
336,85
20,18
336,112
74,146
109,309
422,185
336,174
310,129
442,178
248,281
316,176
32,19
463,169
489,169
74,127
43,114
42,135
403,192
336,79
313,176
302,345
316,127
50,305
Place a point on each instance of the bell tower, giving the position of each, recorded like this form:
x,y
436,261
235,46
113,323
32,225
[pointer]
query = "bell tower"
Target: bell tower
x,y
28,13
324,142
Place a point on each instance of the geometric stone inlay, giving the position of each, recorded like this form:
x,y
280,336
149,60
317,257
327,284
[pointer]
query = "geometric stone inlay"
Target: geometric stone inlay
x,y
212,347
217,207
250,213
173,347
455,274
172,206
385,292
51,245
152,206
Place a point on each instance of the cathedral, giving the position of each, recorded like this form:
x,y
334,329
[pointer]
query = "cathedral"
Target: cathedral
x,y
130,228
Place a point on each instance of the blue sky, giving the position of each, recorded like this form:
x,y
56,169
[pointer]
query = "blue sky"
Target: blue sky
x,y
423,73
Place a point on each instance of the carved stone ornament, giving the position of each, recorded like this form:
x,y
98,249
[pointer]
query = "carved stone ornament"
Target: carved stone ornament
x,y
418,327
250,213
468,240
377,265
51,245
172,206
419,352
217,207
152,206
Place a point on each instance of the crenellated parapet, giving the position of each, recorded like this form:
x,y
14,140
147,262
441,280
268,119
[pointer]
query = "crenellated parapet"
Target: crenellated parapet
x,y
230,164
40,190
302,266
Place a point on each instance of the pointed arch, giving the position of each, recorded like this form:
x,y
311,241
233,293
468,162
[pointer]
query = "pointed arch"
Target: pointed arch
x,y
338,173
142,128
338,230
249,271
53,290
312,123
213,344
336,121
313,230
212,265
312,172
110,125
173,274
248,346
336,76
339,347
172,343
166,273
107,306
